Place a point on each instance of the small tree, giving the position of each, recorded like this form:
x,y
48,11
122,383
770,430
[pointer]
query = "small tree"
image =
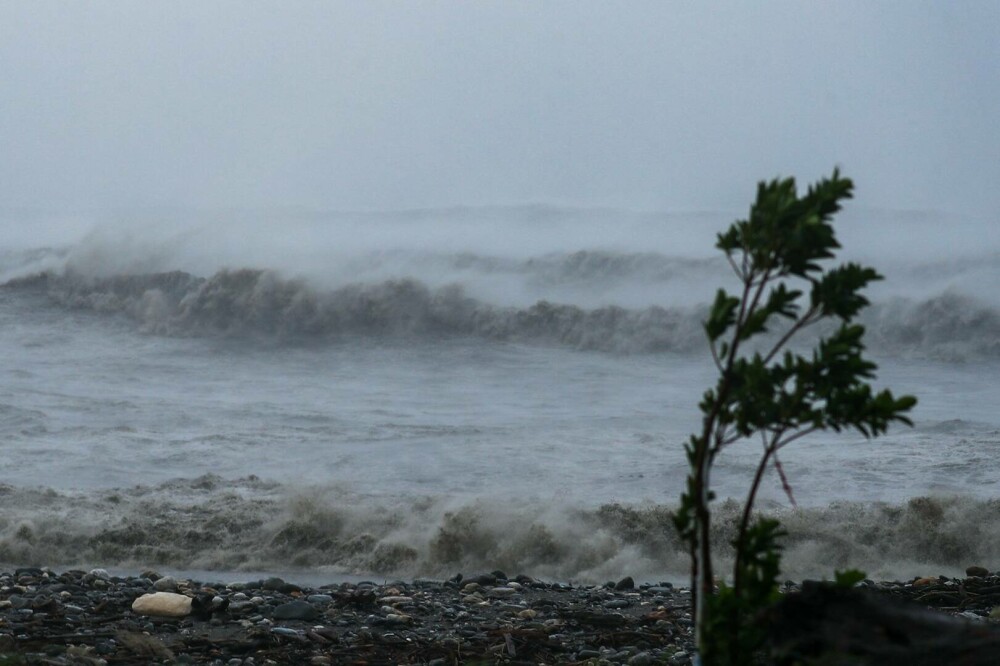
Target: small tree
x,y
772,393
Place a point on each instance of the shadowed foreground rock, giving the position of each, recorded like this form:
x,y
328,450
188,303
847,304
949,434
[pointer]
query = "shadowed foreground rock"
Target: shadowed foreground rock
x,y
829,626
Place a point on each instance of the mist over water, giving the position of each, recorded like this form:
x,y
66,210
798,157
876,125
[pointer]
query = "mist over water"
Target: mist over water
x,y
423,392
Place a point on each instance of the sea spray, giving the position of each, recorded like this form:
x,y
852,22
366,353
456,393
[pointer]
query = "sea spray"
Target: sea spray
x,y
253,303
248,524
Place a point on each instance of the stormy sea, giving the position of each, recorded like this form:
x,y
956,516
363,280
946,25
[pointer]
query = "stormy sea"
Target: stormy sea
x,y
423,392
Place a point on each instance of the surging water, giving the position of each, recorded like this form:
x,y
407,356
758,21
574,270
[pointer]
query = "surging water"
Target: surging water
x,y
422,393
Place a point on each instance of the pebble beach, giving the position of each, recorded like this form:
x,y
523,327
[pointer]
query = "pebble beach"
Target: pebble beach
x,y
92,617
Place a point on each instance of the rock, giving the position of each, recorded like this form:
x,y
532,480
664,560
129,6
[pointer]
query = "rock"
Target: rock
x,y
642,659
501,592
163,604
165,584
285,631
238,607
396,599
319,599
295,610
977,571
927,580
273,583
483,579
625,583
398,618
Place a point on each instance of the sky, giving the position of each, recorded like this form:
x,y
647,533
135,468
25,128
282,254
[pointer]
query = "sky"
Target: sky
x,y
373,105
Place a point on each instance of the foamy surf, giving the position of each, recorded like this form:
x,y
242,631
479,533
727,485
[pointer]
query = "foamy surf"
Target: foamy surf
x,y
250,525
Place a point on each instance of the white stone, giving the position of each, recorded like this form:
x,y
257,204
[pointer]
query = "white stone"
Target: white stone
x,y
396,599
165,604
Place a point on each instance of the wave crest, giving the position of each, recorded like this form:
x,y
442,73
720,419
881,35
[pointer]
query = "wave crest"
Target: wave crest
x,y
256,302
259,303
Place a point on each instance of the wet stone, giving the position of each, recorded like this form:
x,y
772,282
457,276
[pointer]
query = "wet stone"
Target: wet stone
x,y
625,584
295,610
165,584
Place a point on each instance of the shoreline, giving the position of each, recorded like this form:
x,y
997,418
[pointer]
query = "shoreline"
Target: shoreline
x,y
91,618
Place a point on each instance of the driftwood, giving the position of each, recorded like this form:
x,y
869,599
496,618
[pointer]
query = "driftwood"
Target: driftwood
x,y
828,626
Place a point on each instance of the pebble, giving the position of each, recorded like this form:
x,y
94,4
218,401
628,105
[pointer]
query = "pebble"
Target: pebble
x,y
319,599
396,599
285,631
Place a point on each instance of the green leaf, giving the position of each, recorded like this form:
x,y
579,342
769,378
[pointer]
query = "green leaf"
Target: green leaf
x,y
722,315
836,292
848,578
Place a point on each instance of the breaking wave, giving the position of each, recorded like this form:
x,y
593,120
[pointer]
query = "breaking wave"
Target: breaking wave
x,y
249,524
255,302
259,303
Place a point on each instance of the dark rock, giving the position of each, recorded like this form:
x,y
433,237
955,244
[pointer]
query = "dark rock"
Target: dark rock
x,y
319,599
295,610
860,626
981,572
273,583
482,579
240,607
625,583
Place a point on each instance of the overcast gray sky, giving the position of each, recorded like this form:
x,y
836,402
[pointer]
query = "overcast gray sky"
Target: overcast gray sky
x,y
346,105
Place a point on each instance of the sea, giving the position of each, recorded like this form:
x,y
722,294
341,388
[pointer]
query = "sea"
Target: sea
x,y
399,394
